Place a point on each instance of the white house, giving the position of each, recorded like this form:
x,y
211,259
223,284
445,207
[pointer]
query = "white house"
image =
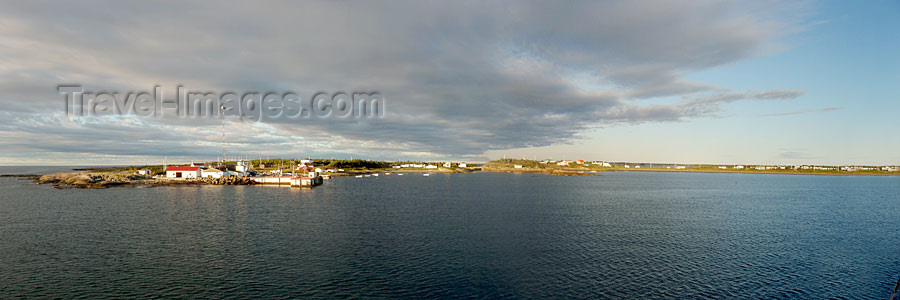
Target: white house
x,y
723,167
739,167
448,165
462,165
212,173
183,172
431,167
563,163
517,166
145,172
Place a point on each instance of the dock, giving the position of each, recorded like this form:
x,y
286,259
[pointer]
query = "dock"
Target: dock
x,y
292,181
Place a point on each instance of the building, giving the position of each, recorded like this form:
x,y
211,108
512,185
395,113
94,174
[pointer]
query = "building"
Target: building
x,y
242,167
183,172
212,173
448,165
462,165
431,167
517,166
145,172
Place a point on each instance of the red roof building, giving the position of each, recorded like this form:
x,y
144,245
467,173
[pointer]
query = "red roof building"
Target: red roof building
x,y
182,169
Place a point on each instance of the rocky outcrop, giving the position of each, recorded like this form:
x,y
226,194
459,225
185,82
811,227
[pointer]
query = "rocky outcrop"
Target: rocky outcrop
x,y
227,181
90,179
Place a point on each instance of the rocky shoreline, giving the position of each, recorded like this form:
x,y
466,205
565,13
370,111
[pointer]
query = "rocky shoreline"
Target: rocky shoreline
x,y
94,180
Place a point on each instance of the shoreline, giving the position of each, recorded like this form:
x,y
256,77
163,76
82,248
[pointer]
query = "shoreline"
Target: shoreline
x,y
105,177
654,170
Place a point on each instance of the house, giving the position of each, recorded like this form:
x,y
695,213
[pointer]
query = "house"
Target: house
x,y
606,164
723,167
462,165
145,172
739,167
431,167
212,173
580,161
680,167
517,166
563,163
183,172
448,165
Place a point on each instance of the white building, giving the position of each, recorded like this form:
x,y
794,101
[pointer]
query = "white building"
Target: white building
x,y
183,172
448,165
517,166
212,173
723,167
739,167
145,172
242,167
431,167
462,165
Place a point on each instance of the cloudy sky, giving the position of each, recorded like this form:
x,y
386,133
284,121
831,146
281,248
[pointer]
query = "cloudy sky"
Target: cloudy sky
x,y
649,81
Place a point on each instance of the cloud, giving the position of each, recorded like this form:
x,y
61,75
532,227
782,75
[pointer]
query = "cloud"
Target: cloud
x,y
460,78
826,109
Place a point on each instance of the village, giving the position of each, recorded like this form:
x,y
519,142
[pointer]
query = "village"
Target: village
x,y
595,166
294,173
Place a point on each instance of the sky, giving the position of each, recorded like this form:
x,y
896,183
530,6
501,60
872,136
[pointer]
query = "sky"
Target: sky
x,y
724,82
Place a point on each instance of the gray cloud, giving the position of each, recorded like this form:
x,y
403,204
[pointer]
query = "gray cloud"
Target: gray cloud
x,y
459,77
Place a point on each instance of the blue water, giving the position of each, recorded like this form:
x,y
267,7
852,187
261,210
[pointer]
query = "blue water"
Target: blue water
x,y
630,235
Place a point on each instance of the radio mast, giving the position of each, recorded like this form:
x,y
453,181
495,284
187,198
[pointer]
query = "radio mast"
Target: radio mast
x,y
223,133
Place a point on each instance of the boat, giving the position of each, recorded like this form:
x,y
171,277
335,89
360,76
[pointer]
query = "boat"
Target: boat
x,y
401,174
376,175
426,174
358,176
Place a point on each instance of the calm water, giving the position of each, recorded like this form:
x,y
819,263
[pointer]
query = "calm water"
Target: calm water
x,y
620,235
